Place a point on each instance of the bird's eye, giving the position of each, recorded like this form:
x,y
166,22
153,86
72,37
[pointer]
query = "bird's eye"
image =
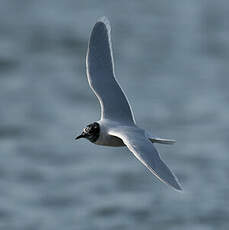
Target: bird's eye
x,y
88,130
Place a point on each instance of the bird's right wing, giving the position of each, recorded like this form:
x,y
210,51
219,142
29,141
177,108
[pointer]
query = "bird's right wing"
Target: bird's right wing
x,y
137,142
101,77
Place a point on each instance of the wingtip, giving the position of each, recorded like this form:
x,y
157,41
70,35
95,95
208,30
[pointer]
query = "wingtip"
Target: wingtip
x,y
105,21
177,186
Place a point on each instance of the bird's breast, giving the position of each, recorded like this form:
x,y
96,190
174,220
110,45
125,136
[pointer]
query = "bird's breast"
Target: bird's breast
x,y
108,140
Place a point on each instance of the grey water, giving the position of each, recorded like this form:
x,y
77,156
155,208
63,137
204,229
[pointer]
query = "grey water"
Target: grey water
x,y
171,59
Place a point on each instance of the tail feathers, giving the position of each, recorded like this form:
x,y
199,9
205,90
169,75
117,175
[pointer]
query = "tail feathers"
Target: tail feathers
x,y
162,141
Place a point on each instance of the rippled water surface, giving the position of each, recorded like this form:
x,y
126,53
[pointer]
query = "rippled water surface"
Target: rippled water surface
x,y
172,61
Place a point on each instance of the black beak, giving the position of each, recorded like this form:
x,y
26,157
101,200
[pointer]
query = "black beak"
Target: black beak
x,y
80,136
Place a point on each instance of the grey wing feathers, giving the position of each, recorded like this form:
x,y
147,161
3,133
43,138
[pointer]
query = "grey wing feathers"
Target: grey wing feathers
x,y
101,77
145,151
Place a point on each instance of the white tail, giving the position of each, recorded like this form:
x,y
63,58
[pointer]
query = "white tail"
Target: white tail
x,y
162,141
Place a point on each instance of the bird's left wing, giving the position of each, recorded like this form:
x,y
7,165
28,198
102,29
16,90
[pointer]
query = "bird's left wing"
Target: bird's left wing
x,y
137,142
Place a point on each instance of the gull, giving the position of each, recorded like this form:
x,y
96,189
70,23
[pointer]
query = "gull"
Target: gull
x,y
117,126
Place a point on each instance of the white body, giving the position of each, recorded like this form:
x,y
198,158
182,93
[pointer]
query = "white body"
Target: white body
x,y
108,140
105,138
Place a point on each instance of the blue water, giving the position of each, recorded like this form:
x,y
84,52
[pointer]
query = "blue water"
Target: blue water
x,y
172,61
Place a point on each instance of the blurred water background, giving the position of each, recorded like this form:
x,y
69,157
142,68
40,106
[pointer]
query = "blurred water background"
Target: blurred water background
x,y
172,61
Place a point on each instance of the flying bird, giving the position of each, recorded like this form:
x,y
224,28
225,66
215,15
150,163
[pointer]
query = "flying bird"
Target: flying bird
x,y
117,126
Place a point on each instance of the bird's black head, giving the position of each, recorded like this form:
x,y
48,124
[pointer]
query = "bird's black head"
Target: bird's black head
x,y
91,132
